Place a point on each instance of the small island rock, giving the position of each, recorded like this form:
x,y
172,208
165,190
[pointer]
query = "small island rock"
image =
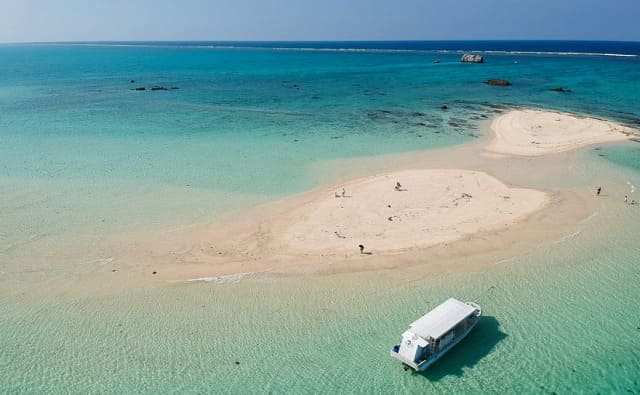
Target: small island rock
x,y
498,82
471,58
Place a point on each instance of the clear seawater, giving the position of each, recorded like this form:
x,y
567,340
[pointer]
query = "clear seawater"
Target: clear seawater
x,y
83,156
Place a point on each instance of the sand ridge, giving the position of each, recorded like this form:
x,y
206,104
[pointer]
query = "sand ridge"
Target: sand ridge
x,y
535,132
454,213
432,206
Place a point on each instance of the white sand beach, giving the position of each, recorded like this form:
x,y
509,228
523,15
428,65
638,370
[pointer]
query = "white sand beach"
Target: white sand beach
x,y
433,206
536,132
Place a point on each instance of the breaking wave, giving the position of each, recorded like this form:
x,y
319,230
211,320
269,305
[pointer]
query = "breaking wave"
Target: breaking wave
x,y
344,49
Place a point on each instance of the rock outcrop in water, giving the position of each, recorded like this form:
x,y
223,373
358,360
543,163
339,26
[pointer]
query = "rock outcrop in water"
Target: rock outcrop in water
x,y
561,90
156,88
471,58
498,82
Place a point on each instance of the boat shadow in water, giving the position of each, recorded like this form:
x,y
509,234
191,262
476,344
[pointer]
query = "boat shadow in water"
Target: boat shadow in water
x,y
479,343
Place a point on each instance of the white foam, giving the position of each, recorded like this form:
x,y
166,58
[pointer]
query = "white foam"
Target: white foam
x,y
346,49
103,261
506,260
589,218
560,53
568,237
231,278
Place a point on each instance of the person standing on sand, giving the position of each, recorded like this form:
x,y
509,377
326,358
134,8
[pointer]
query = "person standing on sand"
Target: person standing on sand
x,y
598,191
344,193
626,199
361,248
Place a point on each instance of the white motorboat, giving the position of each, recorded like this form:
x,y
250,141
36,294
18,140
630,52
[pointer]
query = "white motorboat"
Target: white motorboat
x,y
435,333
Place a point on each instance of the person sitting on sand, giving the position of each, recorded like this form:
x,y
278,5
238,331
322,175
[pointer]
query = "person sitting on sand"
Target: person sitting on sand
x,y
398,186
598,191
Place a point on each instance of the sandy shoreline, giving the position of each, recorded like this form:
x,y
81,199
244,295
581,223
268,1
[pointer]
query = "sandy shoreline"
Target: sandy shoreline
x,y
536,133
488,207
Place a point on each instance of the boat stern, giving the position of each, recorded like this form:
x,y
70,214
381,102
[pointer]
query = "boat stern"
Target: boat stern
x,y
407,363
411,350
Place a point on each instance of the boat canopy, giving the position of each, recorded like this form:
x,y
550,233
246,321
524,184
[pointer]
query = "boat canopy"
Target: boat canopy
x,y
442,319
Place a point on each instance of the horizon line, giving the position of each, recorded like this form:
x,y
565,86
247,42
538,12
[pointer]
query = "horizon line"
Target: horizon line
x,y
317,41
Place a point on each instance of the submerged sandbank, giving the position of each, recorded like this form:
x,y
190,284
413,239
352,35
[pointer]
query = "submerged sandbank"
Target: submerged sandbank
x,y
536,132
464,214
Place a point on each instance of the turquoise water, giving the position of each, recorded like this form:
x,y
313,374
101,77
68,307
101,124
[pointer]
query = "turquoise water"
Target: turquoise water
x,y
625,155
84,157
69,112
252,122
